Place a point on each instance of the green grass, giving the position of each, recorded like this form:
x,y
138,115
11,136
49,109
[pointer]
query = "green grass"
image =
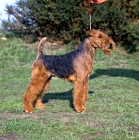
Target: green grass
x,y
112,108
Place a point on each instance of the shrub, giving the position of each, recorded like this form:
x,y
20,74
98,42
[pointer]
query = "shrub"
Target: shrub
x,y
69,20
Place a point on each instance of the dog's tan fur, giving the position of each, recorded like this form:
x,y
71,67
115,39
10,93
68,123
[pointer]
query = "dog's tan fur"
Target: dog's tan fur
x,y
75,67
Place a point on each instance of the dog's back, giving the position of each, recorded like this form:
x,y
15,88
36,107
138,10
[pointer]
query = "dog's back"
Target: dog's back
x,y
61,66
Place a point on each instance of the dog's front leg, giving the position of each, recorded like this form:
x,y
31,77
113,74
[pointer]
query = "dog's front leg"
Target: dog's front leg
x,y
79,97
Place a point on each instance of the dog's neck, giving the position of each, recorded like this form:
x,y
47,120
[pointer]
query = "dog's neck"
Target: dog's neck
x,y
90,48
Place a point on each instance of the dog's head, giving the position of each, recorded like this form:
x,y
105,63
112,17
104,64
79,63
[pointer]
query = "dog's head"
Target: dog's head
x,y
100,40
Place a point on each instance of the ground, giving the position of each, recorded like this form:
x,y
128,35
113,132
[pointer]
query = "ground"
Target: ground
x,y
112,106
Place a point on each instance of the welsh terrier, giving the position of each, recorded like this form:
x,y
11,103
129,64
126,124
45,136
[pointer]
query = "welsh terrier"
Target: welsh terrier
x,y
75,67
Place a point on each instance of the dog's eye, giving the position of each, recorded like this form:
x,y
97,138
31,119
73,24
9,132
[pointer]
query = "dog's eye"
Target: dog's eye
x,y
99,36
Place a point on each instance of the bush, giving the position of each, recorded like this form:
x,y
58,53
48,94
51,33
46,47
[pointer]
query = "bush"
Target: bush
x,y
132,37
69,19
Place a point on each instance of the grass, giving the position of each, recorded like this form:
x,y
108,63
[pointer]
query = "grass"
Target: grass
x,y
112,108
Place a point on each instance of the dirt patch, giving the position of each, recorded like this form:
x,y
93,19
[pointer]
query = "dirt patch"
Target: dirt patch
x,y
2,97
10,116
10,136
133,129
92,135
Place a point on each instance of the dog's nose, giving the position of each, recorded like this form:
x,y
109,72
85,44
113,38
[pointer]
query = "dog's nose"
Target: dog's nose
x,y
110,46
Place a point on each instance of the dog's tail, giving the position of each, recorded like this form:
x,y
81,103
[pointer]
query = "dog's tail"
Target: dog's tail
x,y
43,40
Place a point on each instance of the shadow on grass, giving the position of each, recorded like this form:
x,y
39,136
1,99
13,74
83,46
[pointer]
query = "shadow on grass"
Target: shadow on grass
x,y
115,72
60,96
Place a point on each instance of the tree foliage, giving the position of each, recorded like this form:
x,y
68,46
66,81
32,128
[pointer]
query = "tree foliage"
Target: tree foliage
x,y
57,18
69,20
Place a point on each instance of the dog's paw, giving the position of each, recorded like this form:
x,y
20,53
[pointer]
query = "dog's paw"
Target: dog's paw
x,y
80,109
28,111
39,106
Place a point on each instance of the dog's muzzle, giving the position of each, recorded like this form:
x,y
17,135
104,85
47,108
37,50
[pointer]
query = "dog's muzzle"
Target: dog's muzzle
x,y
110,46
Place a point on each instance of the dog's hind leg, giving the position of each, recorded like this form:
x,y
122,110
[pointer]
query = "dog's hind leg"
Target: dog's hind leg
x,y
38,82
38,103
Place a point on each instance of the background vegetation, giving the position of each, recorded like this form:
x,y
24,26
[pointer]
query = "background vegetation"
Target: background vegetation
x,y
68,20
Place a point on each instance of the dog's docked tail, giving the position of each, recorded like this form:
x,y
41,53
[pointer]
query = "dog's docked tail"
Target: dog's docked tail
x,y
43,40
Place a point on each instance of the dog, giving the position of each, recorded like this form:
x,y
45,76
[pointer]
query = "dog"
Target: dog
x,y
75,67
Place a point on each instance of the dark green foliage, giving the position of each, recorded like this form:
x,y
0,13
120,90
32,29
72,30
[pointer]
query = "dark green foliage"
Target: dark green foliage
x,y
64,19
69,20
132,37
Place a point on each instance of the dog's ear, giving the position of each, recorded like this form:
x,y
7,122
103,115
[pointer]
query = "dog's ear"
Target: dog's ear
x,y
100,30
90,33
